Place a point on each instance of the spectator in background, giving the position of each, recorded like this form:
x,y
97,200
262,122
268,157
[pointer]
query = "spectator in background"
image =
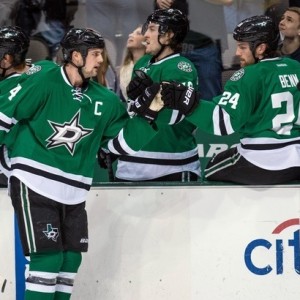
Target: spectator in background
x,y
57,22
107,75
207,17
294,3
275,9
116,18
134,51
240,10
8,10
48,20
289,27
29,15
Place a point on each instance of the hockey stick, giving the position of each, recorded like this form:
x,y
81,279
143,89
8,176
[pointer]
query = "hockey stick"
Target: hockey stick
x,y
110,170
105,162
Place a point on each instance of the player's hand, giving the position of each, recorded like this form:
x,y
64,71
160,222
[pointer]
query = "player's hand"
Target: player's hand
x,y
143,106
138,84
177,96
164,3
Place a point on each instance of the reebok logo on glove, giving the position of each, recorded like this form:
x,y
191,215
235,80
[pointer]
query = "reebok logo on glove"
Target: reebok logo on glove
x,y
177,96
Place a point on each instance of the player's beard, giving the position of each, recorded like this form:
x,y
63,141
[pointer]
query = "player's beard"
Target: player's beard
x,y
243,63
90,73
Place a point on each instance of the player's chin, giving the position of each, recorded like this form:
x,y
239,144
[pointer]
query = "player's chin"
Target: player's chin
x,y
148,50
243,63
94,72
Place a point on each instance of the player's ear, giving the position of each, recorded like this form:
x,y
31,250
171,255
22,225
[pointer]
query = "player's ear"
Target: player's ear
x,y
7,59
166,38
261,49
76,57
170,35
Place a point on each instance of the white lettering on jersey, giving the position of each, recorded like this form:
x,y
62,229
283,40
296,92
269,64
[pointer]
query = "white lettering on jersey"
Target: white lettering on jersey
x,y
213,149
288,81
228,98
283,123
97,111
13,92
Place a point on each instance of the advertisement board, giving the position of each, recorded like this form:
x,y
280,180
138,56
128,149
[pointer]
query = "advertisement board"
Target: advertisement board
x,y
191,242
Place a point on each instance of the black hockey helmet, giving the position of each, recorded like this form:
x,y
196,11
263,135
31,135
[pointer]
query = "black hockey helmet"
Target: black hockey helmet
x,y
257,30
81,40
15,42
169,19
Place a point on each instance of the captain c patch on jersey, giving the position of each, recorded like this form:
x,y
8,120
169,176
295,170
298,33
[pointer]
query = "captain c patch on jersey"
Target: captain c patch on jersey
x,y
67,134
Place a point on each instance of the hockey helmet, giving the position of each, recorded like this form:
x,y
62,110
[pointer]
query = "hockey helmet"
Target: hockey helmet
x,y
169,19
81,40
257,30
15,42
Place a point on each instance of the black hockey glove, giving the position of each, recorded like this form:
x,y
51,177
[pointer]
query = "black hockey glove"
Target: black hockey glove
x,y
138,84
177,96
142,103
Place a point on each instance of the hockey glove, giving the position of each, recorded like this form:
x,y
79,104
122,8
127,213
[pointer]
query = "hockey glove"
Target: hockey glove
x,y
142,104
138,84
177,96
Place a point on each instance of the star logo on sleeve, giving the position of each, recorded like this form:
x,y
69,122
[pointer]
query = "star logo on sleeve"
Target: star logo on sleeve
x,y
67,134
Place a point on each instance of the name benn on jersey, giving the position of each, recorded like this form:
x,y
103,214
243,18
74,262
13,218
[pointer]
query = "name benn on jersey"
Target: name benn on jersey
x,y
288,81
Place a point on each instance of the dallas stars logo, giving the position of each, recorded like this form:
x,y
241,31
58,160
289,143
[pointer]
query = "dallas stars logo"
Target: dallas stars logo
x,y
184,66
51,233
67,134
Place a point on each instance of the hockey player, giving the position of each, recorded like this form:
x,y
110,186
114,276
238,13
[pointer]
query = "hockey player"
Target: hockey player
x,y
172,155
260,102
13,48
53,123
14,45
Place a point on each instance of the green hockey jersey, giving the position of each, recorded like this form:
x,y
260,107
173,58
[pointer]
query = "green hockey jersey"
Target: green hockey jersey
x,y
59,129
261,103
7,84
174,148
